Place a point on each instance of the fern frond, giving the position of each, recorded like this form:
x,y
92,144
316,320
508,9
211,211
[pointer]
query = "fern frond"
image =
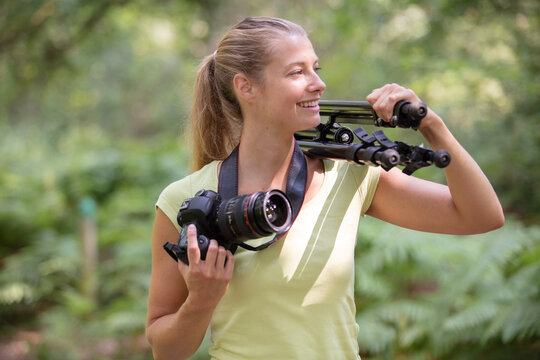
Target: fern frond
x,y
372,285
498,251
523,323
405,311
472,316
374,336
412,334
526,280
497,325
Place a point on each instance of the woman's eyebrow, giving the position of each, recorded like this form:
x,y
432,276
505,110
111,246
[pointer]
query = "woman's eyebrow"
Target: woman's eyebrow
x,y
300,63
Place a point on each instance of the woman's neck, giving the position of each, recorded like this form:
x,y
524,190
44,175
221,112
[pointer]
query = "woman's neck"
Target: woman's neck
x,y
264,160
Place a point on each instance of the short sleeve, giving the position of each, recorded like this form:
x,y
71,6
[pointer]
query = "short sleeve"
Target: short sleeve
x,y
174,194
171,198
367,178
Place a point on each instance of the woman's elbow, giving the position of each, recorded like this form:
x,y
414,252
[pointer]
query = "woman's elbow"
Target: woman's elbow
x,y
499,220
489,223
165,349
149,336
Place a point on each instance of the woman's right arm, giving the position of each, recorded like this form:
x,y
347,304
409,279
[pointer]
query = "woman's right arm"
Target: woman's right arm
x,y
182,298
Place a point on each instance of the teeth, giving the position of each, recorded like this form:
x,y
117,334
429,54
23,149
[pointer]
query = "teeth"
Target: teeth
x,y
308,104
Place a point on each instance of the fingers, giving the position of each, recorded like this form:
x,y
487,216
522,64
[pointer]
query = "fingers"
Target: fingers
x,y
385,98
221,257
193,251
207,280
374,95
229,265
216,256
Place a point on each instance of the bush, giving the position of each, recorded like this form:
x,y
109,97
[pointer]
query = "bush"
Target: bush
x,y
452,297
42,283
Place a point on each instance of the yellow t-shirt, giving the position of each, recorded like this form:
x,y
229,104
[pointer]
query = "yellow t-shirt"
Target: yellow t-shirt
x,y
294,299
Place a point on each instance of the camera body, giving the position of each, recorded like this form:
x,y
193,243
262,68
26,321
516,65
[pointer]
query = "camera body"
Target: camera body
x,y
230,222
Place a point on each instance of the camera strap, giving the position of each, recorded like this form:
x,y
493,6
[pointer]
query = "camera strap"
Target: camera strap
x,y
295,188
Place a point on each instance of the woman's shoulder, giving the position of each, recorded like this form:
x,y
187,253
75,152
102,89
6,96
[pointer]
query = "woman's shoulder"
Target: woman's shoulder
x,y
176,192
204,178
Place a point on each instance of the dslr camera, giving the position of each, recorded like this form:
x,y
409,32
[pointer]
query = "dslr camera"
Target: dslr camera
x,y
230,222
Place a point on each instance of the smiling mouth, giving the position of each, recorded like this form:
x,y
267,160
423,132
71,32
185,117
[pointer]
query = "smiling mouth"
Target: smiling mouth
x,y
308,104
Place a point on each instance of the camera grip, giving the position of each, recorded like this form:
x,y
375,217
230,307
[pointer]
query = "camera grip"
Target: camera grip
x,y
203,242
179,251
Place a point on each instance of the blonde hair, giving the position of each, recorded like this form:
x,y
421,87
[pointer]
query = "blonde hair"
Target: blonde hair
x,y
216,117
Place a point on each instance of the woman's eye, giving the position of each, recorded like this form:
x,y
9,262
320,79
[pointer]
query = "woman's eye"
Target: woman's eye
x,y
300,71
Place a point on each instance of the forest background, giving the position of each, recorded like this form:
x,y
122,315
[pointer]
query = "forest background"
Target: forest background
x,y
94,97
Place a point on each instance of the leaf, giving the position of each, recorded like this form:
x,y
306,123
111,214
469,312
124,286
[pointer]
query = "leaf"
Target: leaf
x,y
472,316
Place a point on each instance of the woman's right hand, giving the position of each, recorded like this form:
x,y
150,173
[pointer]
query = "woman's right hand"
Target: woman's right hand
x,y
206,280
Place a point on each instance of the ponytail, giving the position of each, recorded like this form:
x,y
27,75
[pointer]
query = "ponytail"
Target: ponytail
x,y
214,135
216,118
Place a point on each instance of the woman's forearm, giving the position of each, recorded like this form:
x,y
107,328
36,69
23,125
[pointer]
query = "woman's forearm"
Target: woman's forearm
x,y
179,312
179,335
475,200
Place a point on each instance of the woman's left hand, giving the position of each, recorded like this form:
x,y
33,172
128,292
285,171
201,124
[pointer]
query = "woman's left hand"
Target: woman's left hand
x,y
385,98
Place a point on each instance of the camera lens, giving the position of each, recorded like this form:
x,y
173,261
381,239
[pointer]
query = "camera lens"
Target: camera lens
x,y
255,215
276,211
272,212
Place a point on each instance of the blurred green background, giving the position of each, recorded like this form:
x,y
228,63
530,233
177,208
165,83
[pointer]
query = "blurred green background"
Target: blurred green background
x,y
94,97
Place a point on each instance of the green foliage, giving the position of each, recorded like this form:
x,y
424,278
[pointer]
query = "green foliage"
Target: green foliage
x,y
448,296
93,96
129,66
41,268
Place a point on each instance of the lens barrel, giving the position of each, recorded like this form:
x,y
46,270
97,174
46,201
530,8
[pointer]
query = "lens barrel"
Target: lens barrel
x,y
253,216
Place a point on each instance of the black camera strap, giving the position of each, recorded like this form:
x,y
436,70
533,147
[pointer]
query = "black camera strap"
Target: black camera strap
x,y
295,189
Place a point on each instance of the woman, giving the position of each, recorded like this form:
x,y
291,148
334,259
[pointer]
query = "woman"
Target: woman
x,y
293,300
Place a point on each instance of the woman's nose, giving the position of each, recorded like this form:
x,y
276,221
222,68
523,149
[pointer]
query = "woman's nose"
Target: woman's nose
x,y
317,85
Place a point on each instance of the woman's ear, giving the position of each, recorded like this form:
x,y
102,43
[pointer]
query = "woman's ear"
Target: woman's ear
x,y
244,87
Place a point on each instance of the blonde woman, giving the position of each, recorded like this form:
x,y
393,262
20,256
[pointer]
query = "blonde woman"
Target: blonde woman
x,y
294,299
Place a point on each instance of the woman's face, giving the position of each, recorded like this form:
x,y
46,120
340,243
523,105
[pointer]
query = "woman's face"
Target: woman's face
x,y
291,89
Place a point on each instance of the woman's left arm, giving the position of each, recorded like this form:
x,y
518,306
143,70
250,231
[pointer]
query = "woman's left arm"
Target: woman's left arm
x,y
468,205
